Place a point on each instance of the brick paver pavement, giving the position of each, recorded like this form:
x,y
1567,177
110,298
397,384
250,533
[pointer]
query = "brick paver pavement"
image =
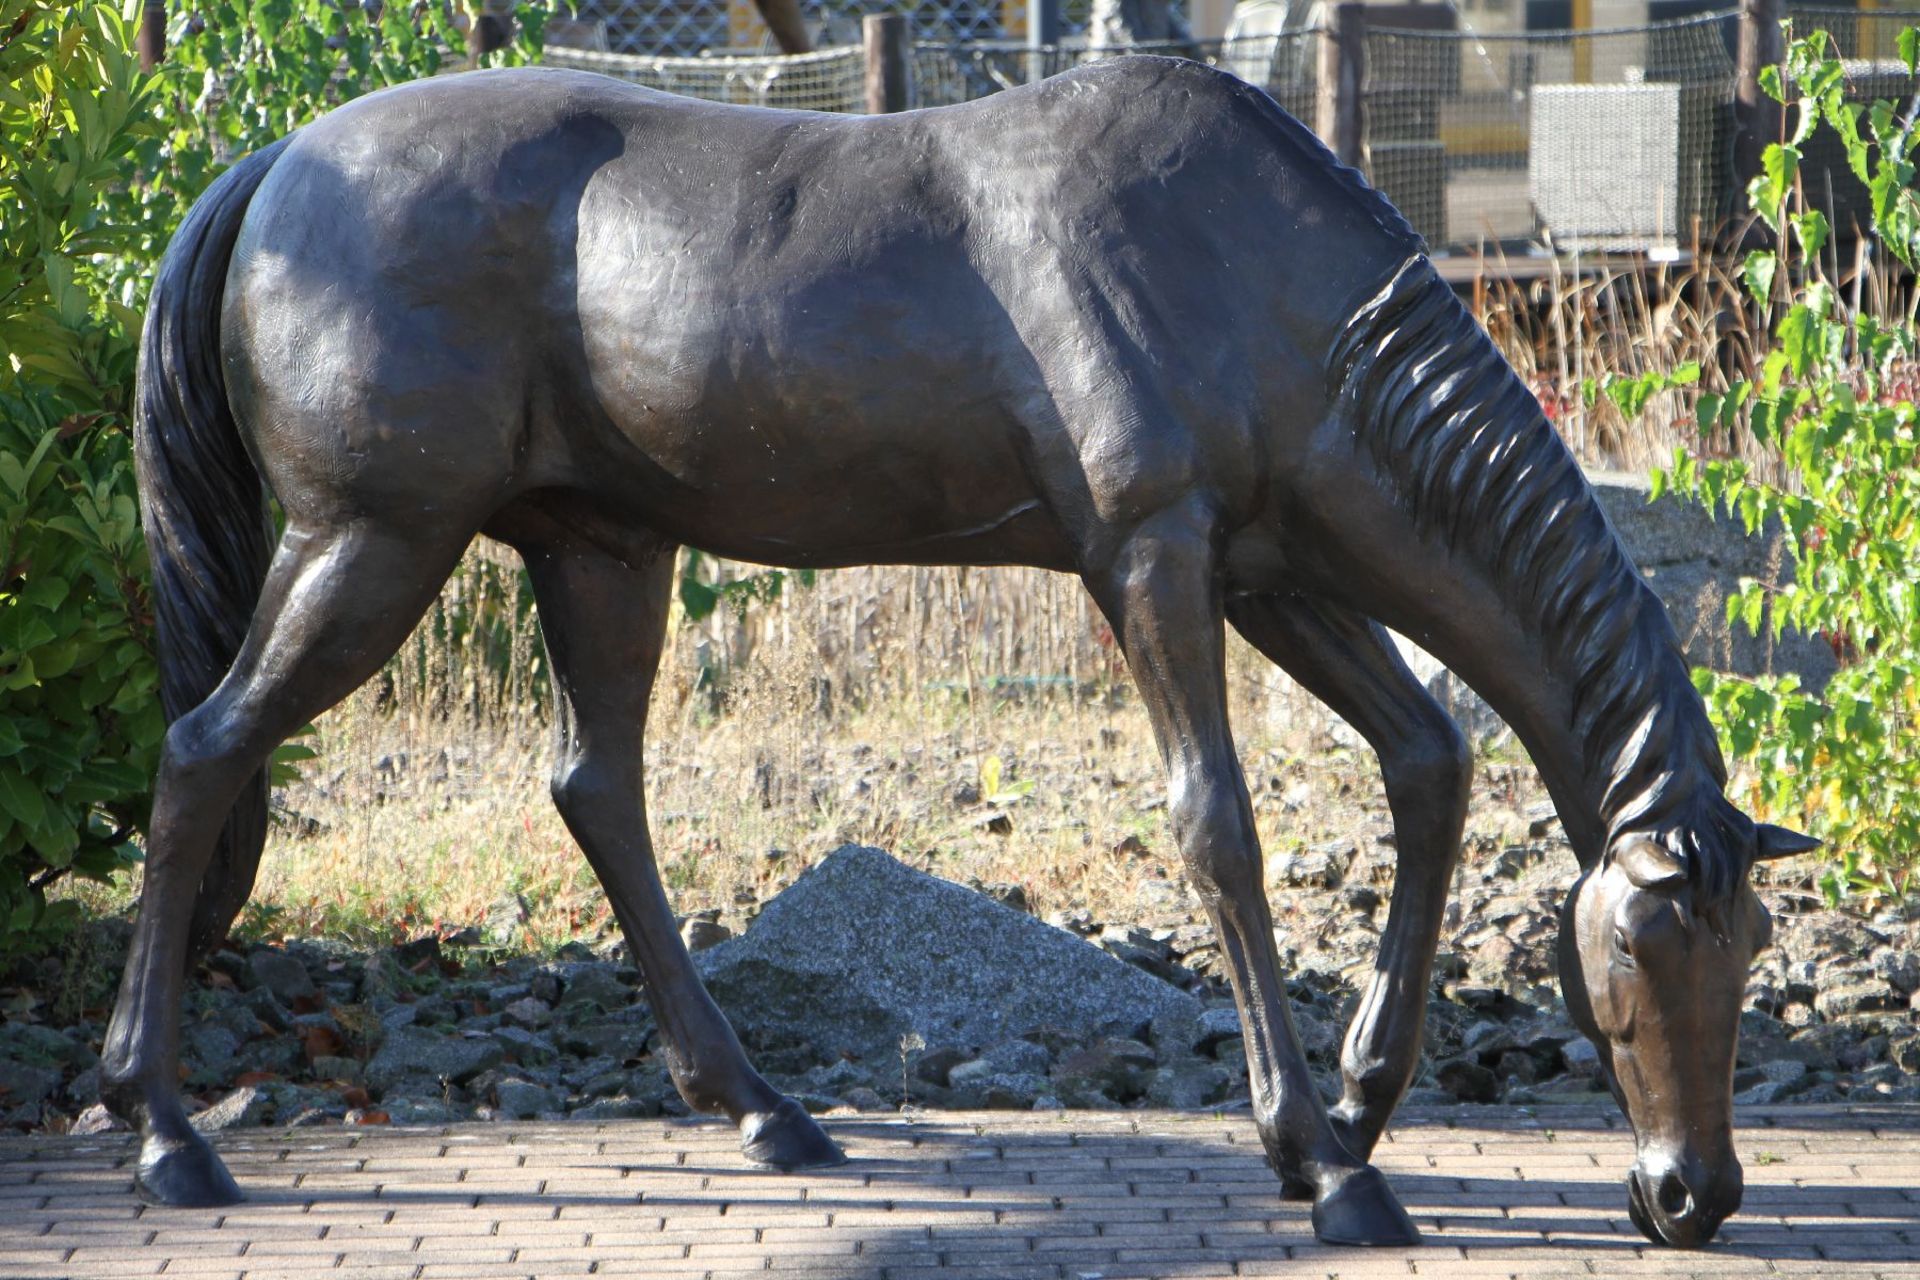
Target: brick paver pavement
x,y
1830,1191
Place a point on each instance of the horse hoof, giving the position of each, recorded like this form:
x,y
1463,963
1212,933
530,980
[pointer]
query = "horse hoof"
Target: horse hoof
x,y
184,1175
1361,1209
1294,1187
787,1138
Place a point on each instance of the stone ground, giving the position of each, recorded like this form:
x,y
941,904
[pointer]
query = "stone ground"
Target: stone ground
x,y
997,1195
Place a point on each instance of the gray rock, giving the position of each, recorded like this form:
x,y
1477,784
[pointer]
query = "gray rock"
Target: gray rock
x,y
622,1108
862,951
527,1012
1900,969
1783,1071
596,984
936,1064
1006,1090
281,974
246,1106
42,1046
505,919
861,1098
23,1084
697,934
209,1044
1214,1026
604,1037
1467,1080
422,1111
1187,1085
267,1009
411,1051
1683,552
95,1120
528,1048
1017,1055
964,1074
523,1099
1843,998
335,1067
1762,1094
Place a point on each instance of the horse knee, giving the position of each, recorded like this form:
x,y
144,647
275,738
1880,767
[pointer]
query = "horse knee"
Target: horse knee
x,y
204,746
1433,768
584,787
1217,841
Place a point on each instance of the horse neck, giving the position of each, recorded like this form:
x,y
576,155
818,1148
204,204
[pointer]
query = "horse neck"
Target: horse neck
x,y
1547,617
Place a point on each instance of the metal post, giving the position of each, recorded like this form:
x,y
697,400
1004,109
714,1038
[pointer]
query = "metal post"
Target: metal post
x,y
889,63
151,41
1756,116
1341,111
1043,33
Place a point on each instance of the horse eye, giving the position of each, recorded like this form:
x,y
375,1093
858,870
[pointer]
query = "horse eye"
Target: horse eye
x,y
1621,943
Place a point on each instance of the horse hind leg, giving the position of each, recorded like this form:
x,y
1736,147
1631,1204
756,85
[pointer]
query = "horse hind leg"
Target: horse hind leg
x,y
605,623
1348,662
337,603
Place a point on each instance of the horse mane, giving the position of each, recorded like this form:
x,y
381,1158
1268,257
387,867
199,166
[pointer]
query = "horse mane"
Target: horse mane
x,y
1473,459
1315,153
1308,153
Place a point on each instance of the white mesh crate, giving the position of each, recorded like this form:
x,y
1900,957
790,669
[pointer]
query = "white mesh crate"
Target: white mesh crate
x,y
1621,166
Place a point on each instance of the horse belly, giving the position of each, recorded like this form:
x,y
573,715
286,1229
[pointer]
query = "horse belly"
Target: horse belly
x,y
816,416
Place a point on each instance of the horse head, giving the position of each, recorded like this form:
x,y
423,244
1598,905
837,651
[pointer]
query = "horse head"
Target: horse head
x,y
1654,957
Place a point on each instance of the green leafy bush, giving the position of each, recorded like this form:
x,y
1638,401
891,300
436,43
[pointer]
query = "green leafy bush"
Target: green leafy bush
x,y
1833,403
98,163
80,723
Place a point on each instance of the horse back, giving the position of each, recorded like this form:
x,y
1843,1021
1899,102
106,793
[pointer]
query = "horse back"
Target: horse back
x,y
952,323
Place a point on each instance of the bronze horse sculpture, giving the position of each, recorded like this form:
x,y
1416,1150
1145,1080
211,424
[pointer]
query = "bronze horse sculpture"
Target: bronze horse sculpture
x,y
1132,323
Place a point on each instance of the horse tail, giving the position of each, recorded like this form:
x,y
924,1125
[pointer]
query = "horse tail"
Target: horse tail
x,y
202,504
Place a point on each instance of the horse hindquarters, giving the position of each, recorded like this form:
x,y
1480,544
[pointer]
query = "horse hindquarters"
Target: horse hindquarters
x,y
244,662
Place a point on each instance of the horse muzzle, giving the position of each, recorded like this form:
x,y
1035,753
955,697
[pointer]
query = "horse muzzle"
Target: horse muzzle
x,y
1681,1201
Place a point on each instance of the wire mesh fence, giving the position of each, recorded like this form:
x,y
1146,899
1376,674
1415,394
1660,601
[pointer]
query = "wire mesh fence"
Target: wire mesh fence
x,y
950,72
1604,138
1865,41
826,80
687,28
1599,140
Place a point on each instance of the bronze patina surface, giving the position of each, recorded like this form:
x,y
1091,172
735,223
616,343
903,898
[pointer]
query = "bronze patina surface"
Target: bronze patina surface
x,y
1132,323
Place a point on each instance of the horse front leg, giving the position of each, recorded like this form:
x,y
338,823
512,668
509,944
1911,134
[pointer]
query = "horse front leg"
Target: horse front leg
x,y
1348,662
605,625
1161,593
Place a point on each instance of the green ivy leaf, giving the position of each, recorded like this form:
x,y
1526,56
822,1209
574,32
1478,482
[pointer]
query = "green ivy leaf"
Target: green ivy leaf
x,y
1758,273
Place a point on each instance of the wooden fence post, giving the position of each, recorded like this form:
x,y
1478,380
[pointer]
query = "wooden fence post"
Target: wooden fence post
x,y
1341,111
889,63
151,40
1756,116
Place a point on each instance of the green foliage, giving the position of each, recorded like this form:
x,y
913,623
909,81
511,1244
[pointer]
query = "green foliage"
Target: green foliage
x,y
704,588
1834,402
80,722
98,163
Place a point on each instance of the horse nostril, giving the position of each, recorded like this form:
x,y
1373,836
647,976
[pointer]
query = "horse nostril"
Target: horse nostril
x,y
1674,1197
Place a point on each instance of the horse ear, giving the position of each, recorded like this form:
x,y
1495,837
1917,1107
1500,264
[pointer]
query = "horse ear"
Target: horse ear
x,y
1649,864
1780,842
